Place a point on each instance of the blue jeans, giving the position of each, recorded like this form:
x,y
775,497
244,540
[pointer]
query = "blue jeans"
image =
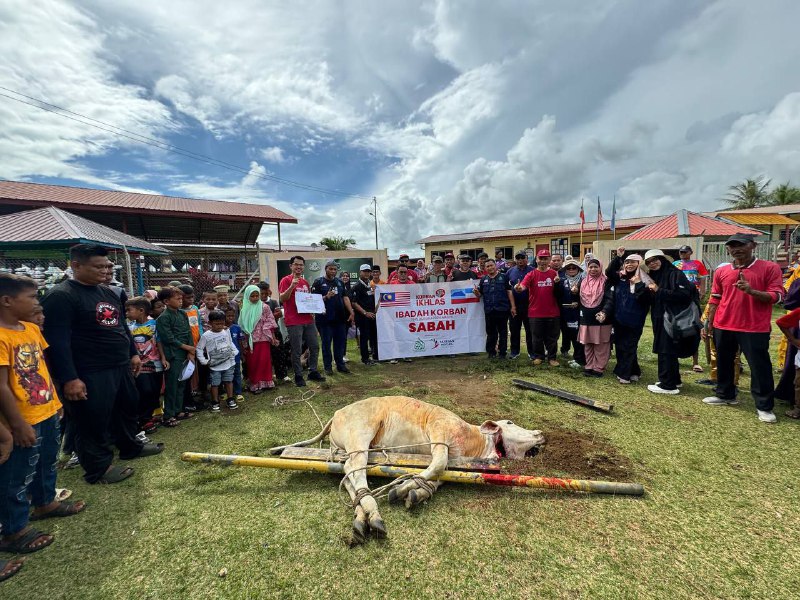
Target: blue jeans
x,y
29,471
337,333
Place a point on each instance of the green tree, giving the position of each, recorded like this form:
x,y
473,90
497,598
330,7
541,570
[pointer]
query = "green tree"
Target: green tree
x,y
748,194
337,243
784,194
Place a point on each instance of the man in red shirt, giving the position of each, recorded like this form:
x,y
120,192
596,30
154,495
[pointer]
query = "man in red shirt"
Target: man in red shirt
x,y
740,316
403,260
449,264
300,325
543,308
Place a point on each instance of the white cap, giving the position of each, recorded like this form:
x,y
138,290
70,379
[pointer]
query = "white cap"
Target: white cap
x,y
365,267
652,254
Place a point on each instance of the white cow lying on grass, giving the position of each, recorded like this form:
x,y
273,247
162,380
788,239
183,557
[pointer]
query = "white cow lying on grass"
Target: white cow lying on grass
x,y
411,426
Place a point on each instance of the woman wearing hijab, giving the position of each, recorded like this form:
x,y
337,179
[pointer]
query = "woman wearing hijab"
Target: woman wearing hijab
x,y
630,303
669,291
258,324
595,324
570,313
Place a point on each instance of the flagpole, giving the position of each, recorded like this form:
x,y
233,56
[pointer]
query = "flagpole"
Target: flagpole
x,y
614,218
597,221
583,219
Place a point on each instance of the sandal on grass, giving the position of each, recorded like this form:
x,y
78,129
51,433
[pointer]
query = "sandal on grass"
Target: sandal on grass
x,y
64,509
62,494
116,474
183,416
171,422
794,413
697,369
24,544
147,450
9,568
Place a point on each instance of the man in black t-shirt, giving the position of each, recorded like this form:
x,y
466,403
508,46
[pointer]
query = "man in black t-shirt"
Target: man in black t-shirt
x,y
464,271
362,297
94,360
332,325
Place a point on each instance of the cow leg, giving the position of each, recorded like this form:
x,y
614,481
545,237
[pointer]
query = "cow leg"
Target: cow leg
x,y
415,492
360,526
354,471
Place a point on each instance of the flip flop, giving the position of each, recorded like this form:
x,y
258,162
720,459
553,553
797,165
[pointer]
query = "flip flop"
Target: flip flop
x,y
62,494
22,544
793,414
9,568
116,474
697,369
64,509
147,450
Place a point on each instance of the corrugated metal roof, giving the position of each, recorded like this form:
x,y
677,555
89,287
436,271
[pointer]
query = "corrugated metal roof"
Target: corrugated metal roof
x,y
698,225
589,227
53,225
780,209
67,196
759,219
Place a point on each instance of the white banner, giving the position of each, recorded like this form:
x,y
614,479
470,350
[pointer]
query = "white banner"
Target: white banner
x,y
429,319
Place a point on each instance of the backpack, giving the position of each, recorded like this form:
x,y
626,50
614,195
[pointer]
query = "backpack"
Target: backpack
x,y
685,324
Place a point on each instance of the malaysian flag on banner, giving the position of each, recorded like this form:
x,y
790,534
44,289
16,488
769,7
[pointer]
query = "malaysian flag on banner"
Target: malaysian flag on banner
x,y
395,299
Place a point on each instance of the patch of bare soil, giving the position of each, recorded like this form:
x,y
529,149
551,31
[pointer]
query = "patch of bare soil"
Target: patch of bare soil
x,y
669,411
575,455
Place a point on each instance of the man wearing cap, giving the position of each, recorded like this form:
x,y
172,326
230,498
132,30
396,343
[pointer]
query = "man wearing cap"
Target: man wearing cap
x,y
223,303
543,308
362,298
696,273
449,264
498,305
740,316
515,275
480,270
403,260
332,325
299,325
437,275
464,271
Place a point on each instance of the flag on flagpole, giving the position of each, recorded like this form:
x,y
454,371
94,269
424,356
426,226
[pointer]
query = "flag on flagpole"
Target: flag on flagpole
x,y
583,216
600,223
614,217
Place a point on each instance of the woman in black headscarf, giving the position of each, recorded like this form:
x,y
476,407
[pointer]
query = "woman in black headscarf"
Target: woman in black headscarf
x,y
670,291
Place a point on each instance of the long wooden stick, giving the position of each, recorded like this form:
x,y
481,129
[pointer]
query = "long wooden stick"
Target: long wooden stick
x,y
564,395
552,483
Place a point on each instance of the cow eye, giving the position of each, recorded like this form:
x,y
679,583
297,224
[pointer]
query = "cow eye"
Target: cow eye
x,y
510,422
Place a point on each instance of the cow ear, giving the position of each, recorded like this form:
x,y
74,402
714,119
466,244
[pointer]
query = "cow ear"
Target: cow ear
x,y
490,427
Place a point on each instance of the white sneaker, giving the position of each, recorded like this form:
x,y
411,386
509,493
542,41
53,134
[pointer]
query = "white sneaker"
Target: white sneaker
x,y
575,365
634,378
680,385
72,462
621,380
766,416
142,437
715,401
656,389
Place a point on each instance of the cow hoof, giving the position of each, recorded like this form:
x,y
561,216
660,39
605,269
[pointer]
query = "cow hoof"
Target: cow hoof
x,y
360,530
378,528
411,499
393,495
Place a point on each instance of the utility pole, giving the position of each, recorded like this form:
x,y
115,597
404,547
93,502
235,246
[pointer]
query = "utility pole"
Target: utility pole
x,y
375,214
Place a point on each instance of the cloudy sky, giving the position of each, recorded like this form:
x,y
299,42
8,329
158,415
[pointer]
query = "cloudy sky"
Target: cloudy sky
x,y
458,116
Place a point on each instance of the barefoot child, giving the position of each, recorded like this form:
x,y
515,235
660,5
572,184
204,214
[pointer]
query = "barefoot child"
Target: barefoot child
x,y
29,404
216,350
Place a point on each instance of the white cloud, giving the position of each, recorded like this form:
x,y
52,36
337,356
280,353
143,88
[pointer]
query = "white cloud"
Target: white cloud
x,y
274,154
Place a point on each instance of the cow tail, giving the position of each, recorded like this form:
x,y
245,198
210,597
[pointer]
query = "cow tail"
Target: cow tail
x,y
320,436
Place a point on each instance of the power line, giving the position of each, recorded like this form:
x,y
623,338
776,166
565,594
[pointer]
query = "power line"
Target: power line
x,y
142,139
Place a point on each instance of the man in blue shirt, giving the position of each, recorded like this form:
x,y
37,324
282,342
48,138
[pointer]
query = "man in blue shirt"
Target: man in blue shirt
x,y
332,325
498,306
515,275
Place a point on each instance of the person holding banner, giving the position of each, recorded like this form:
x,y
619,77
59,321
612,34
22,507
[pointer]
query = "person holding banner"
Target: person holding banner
x,y
464,271
515,275
362,298
498,305
543,309
300,325
332,324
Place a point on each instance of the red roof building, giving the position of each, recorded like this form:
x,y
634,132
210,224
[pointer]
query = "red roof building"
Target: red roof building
x,y
685,223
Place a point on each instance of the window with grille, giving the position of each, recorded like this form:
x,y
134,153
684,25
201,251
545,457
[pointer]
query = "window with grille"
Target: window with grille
x,y
508,252
559,246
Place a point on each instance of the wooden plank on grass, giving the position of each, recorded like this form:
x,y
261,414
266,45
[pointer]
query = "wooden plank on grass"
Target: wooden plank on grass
x,y
394,458
564,395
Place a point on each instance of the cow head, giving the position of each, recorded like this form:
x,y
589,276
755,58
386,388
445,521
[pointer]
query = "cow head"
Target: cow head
x,y
512,441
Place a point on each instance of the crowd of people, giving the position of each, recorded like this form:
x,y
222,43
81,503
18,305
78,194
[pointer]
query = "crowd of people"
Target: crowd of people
x,y
85,370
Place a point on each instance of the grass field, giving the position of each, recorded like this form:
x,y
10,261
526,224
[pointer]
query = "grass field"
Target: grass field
x,y
718,520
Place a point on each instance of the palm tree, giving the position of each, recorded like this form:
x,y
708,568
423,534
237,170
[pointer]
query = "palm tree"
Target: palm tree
x,y
748,194
784,194
337,243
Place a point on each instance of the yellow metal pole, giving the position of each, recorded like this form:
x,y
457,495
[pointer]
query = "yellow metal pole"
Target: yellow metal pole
x,y
553,483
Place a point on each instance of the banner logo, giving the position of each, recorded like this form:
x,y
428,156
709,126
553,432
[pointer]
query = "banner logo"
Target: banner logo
x,y
463,296
395,299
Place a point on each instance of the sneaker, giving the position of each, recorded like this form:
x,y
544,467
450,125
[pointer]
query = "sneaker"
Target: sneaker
x,y
299,381
394,361
530,356
634,378
407,360
215,408
231,404
72,462
537,361
190,407
345,359
554,363
371,363
316,376
624,381
715,401
680,385
150,427
575,365
766,416
513,356
344,369
239,398
328,372
657,389
705,382
142,437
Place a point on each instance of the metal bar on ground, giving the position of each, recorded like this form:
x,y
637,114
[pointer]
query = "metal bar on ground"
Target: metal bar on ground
x,y
377,457
564,395
552,483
